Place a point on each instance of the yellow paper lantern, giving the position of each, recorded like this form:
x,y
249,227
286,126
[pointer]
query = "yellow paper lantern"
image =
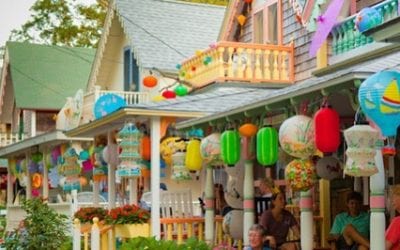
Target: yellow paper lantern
x,y
158,98
241,19
193,159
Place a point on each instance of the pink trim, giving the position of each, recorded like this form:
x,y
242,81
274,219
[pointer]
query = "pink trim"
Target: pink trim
x,y
377,201
306,202
248,204
209,203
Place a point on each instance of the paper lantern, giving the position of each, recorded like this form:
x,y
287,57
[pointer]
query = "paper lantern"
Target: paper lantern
x,y
179,171
248,130
234,192
150,81
248,1
169,94
296,136
327,130
210,149
368,18
329,168
84,155
83,181
193,159
36,180
267,146
379,98
169,146
71,170
145,148
158,98
230,147
300,174
181,90
361,149
110,154
241,19
232,224
130,158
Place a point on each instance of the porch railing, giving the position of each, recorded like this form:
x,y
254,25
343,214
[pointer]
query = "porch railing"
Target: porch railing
x,y
345,37
90,99
10,138
244,62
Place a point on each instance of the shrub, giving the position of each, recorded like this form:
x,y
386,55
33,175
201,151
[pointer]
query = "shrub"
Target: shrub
x,y
151,243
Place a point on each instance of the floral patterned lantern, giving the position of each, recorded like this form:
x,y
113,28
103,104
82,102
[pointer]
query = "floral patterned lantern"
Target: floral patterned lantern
x,y
300,174
296,136
327,130
361,149
211,149
179,170
267,146
193,159
130,157
329,168
71,169
230,147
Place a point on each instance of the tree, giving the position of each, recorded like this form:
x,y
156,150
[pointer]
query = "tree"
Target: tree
x,y
63,22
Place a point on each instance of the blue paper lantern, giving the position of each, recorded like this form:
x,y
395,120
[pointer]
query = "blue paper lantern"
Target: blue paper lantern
x,y
379,98
368,18
107,104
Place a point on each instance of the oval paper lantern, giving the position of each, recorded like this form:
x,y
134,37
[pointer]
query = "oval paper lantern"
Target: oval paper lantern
x,y
193,159
248,130
232,224
267,146
379,98
210,149
327,130
368,18
169,94
361,142
300,174
329,168
181,90
230,147
296,136
36,180
145,148
150,81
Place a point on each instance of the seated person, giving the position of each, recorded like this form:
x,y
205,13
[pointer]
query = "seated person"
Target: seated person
x,y
256,238
350,230
266,187
277,221
393,231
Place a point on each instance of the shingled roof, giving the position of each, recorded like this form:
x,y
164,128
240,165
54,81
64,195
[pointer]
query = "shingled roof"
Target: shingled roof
x,y
43,76
163,33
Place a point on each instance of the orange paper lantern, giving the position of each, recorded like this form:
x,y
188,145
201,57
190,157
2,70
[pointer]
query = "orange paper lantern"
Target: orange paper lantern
x,y
150,81
248,130
241,19
36,180
145,148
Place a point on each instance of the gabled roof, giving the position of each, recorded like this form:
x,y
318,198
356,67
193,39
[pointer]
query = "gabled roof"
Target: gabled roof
x,y
43,76
164,33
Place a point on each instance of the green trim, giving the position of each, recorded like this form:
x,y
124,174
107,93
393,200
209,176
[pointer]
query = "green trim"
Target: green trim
x,y
377,193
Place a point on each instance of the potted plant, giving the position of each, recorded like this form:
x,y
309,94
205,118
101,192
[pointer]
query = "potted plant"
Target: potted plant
x,y
86,214
130,221
151,243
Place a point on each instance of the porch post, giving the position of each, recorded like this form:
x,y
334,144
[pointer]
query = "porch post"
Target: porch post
x,y
155,175
209,206
96,193
248,201
377,204
28,176
132,191
111,174
45,175
306,220
10,193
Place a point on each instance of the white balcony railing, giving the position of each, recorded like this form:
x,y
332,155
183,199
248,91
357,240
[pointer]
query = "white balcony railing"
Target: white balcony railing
x,y
10,138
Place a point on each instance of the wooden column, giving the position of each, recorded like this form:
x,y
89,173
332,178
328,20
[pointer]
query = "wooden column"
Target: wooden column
x,y
155,176
306,221
45,174
96,193
248,201
111,174
28,176
133,191
10,188
209,206
325,210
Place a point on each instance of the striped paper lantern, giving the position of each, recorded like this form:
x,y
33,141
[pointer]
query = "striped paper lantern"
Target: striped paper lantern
x,y
230,147
267,146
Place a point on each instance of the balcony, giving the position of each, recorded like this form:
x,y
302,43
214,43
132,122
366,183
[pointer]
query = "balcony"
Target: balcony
x,y
90,98
241,62
345,37
10,138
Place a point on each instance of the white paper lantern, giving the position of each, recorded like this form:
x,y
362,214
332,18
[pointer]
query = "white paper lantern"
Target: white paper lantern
x,y
234,192
329,168
233,224
210,149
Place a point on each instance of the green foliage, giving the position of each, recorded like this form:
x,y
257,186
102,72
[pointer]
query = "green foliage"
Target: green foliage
x,y
127,214
42,228
215,2
86,214
62,22
150,243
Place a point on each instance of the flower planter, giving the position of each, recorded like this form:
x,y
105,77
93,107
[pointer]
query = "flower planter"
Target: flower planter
x,y
132,230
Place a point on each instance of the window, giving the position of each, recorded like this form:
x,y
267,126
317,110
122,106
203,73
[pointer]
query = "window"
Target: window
x,y
267,23
131,71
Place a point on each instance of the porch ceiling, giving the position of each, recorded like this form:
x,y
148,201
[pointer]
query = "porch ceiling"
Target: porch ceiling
x,y
386,32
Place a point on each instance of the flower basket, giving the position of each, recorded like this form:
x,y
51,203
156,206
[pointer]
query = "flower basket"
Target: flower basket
x,y
128,214
132,230
86,214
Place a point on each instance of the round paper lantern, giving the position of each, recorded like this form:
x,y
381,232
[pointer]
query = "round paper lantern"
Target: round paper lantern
x,y
84,155
36,180
368,18
145,148
83,181
110,154
267,146
181,90
296,136
248,130
234,192
327,130
210,149
169,94
379,98
329,168
361,149
150,81
232,224
230,147
241,19
300,174
193,159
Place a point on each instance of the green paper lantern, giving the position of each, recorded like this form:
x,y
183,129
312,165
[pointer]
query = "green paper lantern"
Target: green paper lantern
x,y
230,147
181,90
267,146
